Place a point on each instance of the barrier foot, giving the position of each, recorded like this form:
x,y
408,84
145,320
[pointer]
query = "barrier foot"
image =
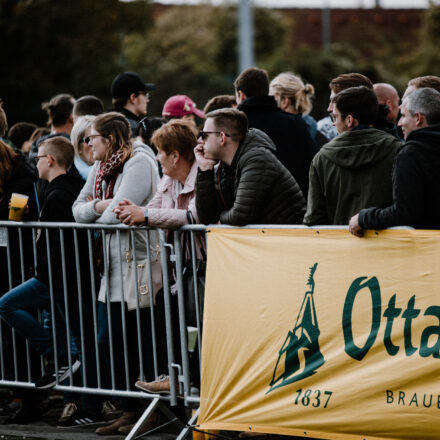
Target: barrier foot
x,y
155,403
188,428
143,418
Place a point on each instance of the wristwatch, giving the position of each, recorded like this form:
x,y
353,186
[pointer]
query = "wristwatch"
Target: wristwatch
x,y
146,216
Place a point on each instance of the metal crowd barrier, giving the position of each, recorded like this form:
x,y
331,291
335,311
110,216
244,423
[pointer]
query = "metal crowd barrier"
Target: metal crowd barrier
x,y
182,342
14,269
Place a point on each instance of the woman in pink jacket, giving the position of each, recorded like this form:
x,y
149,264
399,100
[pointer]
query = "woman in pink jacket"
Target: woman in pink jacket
x,y
172,206
174,202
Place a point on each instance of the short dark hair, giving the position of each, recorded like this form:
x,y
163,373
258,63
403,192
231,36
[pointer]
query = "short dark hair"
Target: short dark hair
x,y
59,109
430,81
218,102
347,80
253,82
21,132
232,121
360,102
60,148
88,105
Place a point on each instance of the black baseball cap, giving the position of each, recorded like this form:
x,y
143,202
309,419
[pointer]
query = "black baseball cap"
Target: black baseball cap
x,y
127,83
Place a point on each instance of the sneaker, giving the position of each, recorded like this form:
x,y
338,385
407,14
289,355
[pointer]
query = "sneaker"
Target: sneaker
x,y
69,410
111,410
52,377
81,418
160,386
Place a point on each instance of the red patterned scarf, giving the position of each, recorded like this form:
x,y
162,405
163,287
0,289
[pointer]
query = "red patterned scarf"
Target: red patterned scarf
x,y
108,171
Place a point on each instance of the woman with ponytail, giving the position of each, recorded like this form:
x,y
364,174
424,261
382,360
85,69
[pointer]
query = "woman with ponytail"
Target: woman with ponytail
x,y
293,96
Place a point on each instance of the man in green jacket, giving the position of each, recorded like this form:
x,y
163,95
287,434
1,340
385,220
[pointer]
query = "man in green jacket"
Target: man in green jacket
x,y
354,170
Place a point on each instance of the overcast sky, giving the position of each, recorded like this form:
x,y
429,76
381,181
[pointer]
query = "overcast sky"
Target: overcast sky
x,y
315,3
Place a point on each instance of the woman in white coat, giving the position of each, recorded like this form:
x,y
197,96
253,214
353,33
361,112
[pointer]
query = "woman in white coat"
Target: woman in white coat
x,y
121,170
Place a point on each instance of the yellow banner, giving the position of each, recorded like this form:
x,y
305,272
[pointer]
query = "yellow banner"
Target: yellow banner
x,y
322,334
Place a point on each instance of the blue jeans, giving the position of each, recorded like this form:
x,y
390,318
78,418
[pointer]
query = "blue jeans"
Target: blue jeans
x,y
16,309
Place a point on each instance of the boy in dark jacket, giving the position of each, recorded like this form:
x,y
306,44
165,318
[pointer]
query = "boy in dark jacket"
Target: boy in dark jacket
x,y
56,273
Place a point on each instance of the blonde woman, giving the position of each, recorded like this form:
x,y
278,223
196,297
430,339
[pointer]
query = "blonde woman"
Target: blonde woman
x,y
83,151
293,96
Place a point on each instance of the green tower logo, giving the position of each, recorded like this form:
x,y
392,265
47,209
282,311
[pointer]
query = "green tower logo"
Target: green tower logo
x,y
300,356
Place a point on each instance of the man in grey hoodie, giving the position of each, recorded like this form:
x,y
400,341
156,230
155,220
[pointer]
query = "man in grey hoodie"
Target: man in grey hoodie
x,y
354,170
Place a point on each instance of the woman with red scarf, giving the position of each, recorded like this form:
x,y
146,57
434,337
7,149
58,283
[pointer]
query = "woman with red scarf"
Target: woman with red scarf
x,y
122,170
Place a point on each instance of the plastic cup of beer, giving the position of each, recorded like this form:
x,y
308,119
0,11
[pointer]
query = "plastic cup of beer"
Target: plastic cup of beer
x,y
16,209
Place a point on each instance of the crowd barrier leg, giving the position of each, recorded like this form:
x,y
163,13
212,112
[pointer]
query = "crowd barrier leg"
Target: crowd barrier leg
x,y
188,428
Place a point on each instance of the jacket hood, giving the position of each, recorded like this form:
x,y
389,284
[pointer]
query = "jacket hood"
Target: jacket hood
x,y
359,148
254,139
427,138
141,148
65,182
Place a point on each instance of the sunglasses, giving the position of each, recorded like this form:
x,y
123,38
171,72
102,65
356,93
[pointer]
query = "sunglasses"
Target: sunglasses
x,y
91,137
204,134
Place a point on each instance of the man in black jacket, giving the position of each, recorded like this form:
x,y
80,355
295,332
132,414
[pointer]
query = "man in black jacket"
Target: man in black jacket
x,y
56,271
130,97
416,177
259,188
294,146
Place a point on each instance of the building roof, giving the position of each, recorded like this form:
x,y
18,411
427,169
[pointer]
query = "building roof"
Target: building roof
x,y
319,4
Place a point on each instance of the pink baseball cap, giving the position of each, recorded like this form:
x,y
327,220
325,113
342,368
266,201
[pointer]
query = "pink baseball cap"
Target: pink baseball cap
x,y
181,105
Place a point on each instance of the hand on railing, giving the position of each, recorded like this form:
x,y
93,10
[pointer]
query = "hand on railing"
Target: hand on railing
x,y
354,227
129,213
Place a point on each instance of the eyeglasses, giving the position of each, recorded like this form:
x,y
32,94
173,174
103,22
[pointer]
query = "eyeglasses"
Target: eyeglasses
x,y
147,95
204,134
334,116
41,157
90,138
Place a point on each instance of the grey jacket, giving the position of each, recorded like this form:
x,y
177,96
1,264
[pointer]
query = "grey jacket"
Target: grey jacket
x,y
138,183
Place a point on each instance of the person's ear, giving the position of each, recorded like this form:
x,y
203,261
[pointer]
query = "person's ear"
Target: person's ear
x,y
132,98
350,121
284,103
420,119
50,160
176,157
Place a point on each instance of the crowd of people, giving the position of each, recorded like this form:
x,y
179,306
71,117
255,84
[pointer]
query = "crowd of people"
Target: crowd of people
x,y
256,157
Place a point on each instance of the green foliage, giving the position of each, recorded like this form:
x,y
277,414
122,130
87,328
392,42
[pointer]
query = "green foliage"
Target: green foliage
x,y
192,50
51,47
425,59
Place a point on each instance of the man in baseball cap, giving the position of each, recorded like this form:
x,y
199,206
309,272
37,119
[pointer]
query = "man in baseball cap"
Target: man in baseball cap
x,y
130,97
181,106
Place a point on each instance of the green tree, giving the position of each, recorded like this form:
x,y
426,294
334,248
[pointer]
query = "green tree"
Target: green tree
x,y
192,50
51,47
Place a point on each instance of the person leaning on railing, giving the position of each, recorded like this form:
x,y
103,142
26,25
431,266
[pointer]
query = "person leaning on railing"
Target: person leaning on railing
x,y
121,171
174,203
